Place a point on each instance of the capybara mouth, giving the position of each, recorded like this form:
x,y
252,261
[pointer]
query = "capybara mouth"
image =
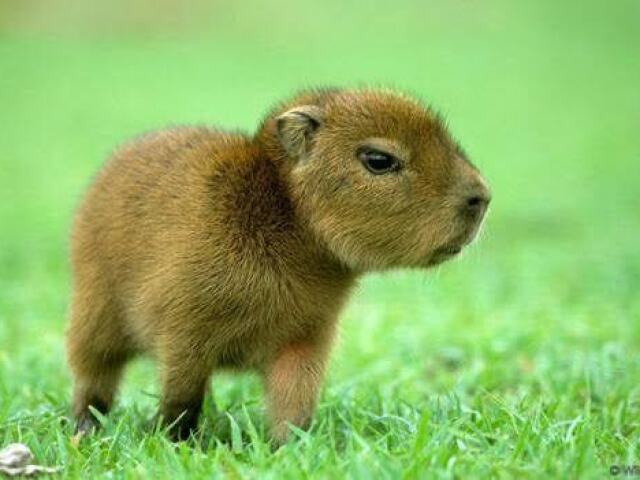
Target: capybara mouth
x,y
443,254
448,250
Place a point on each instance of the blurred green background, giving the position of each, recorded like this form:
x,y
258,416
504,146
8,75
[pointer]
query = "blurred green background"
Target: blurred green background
x,y
519,360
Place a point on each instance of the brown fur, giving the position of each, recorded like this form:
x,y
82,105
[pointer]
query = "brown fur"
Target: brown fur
x,y
211,249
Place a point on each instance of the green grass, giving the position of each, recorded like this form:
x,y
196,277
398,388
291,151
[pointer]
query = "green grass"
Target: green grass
x,y
519,360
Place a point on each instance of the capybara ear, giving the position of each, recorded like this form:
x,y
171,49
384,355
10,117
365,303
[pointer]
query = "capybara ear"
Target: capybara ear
x,y
296,128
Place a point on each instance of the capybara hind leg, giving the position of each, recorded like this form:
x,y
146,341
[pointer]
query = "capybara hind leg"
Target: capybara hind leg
x,y
95,387
97,352
185,375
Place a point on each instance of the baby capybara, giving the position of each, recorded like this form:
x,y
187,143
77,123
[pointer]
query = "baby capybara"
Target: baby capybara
x,y
214,250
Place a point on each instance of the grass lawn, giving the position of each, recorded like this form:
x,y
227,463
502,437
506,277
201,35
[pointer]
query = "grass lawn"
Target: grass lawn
x,y
519,360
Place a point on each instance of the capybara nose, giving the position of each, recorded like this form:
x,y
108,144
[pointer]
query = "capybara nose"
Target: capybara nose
x,y
477,200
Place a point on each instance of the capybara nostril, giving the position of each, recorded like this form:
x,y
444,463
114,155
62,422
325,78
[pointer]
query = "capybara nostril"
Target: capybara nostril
x,y
478,201
475,201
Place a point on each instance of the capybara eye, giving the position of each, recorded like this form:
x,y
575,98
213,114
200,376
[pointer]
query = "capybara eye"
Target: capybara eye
x,y
378,162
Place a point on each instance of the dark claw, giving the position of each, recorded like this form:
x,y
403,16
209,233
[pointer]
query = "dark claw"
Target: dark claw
x,y
182,421
86,425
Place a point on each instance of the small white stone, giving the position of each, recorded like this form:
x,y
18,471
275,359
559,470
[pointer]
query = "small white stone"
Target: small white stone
x,y
16,458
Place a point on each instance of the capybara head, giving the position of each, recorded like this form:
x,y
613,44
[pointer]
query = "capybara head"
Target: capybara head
x,y
379,178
